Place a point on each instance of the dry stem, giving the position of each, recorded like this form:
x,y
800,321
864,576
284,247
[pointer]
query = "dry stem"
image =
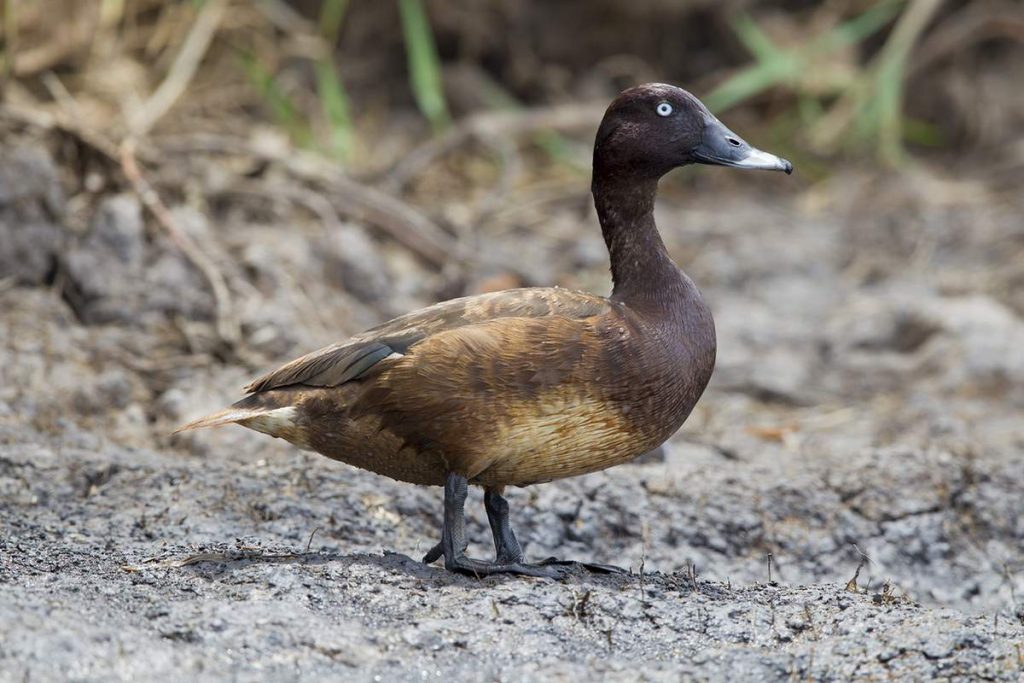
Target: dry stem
x,y
227,324
182,70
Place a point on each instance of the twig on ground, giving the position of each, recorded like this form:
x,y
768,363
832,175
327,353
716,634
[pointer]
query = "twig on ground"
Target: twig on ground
x,y
310,541
511,166
293,194
378,208
578,607
242,554
489,126
972,23
691,574
151,365
643,592
324,210
228,327
851,585
46,121
61,95
71,35
399,220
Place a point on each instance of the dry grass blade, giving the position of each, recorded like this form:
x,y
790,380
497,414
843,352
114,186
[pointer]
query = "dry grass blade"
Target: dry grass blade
x,y
318,180
182,69
852,585
491,125
240,555
971,24
228,327
399,220
70,37
9,32
891,67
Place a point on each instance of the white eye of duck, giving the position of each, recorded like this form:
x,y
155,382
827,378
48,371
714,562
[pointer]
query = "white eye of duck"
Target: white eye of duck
x,y
664,109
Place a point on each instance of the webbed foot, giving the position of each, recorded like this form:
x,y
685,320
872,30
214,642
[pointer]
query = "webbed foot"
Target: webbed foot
x,y
478,568
592,567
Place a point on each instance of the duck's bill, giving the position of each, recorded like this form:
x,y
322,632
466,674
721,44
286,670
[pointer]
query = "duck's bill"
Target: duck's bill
x,y
721,147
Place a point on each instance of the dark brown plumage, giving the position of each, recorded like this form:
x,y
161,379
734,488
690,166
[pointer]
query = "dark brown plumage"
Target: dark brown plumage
x,y
527,385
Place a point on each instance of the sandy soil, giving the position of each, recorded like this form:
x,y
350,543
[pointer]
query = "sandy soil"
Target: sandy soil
x,y
865,414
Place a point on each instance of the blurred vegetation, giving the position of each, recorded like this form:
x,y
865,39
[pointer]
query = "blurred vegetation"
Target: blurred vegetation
x,y
793,68
453,133
424,63
839,76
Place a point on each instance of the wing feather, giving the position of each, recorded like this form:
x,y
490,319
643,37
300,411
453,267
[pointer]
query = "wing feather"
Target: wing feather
x,y
368,352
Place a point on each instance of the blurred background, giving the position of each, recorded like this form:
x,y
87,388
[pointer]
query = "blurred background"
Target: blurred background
x,y
193,192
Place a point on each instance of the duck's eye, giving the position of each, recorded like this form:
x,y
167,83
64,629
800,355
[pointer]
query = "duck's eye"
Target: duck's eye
x,y
663,109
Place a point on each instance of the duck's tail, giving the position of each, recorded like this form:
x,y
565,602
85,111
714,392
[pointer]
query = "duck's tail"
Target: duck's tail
x,y
229,416
259,412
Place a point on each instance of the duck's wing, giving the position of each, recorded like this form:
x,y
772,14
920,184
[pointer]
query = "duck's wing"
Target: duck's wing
x,y
371,350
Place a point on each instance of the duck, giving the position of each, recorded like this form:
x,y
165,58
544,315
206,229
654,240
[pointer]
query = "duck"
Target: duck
x,y
526,386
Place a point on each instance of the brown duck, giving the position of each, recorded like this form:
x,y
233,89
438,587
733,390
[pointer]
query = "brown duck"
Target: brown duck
x,y
527,385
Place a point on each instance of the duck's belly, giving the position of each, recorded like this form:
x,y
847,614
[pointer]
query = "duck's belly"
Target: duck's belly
x,y
565,439
550,437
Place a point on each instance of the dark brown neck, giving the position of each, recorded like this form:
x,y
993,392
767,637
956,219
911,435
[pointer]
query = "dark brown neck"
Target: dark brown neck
x,y
643,275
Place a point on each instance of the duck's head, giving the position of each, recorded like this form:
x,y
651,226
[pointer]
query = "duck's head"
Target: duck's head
x,y
651,129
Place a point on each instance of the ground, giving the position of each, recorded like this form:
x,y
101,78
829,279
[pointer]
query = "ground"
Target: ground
x,y
844,502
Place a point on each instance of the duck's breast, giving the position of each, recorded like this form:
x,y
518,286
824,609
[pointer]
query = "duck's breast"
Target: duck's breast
x,y
633,390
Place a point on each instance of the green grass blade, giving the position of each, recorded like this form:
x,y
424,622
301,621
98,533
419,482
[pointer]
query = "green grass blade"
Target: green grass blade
x,y
9,24
889,96
331,14
864,25
424,63
751,81
329,87
922,133
282,109
774,66
334,102
754,39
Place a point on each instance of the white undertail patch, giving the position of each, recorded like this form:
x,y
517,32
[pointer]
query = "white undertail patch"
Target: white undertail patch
x,y
272,422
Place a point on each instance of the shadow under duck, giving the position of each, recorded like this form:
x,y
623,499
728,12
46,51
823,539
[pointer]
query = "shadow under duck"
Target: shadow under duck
x,y
527,385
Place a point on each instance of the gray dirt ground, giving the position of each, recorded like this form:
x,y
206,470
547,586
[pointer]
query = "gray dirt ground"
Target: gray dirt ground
x,y
866,404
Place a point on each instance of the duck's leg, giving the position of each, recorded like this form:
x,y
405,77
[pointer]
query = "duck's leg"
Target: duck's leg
x,y
507,548
506,545
453,540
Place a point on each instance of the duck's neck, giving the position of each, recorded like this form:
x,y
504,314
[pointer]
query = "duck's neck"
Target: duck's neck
x,y
643,275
